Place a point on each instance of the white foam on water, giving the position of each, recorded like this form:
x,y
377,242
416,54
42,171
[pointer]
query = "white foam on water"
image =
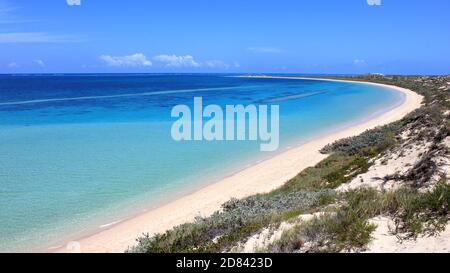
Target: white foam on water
x,y
110,224
118,96
295,97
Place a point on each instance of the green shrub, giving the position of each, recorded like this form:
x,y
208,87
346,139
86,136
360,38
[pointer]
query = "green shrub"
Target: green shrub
x,y
238,219
349,229
369,143
419,213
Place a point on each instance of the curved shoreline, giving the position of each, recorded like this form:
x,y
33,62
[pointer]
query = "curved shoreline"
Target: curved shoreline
x,y
259,178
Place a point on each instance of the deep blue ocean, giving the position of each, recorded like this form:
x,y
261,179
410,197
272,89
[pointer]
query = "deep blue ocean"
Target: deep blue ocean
x,y
80,151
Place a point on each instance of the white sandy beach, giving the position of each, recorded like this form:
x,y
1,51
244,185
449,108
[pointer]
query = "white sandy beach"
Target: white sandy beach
x,y
260,178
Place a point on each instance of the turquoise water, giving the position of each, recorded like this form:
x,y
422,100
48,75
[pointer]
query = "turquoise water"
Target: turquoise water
x,y
80,151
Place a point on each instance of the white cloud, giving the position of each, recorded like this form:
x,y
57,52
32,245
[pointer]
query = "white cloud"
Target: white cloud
x,y
9,16
6,8
374,2
13,65
218,64
73,2
33,37
263,49
359,62
134,60
39,62
174,61
164,60
16,21
177,61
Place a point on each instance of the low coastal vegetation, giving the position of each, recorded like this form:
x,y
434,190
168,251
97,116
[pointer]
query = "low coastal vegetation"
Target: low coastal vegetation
x,y
349,228
341,219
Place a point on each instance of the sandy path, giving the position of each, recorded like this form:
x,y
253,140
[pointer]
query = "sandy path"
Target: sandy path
x,y
385,242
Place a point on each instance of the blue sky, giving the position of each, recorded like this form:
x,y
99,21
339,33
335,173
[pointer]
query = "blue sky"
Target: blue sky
x,y
283,36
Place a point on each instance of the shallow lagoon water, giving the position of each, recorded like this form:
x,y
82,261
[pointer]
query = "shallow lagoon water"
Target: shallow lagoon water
x,y
78,152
